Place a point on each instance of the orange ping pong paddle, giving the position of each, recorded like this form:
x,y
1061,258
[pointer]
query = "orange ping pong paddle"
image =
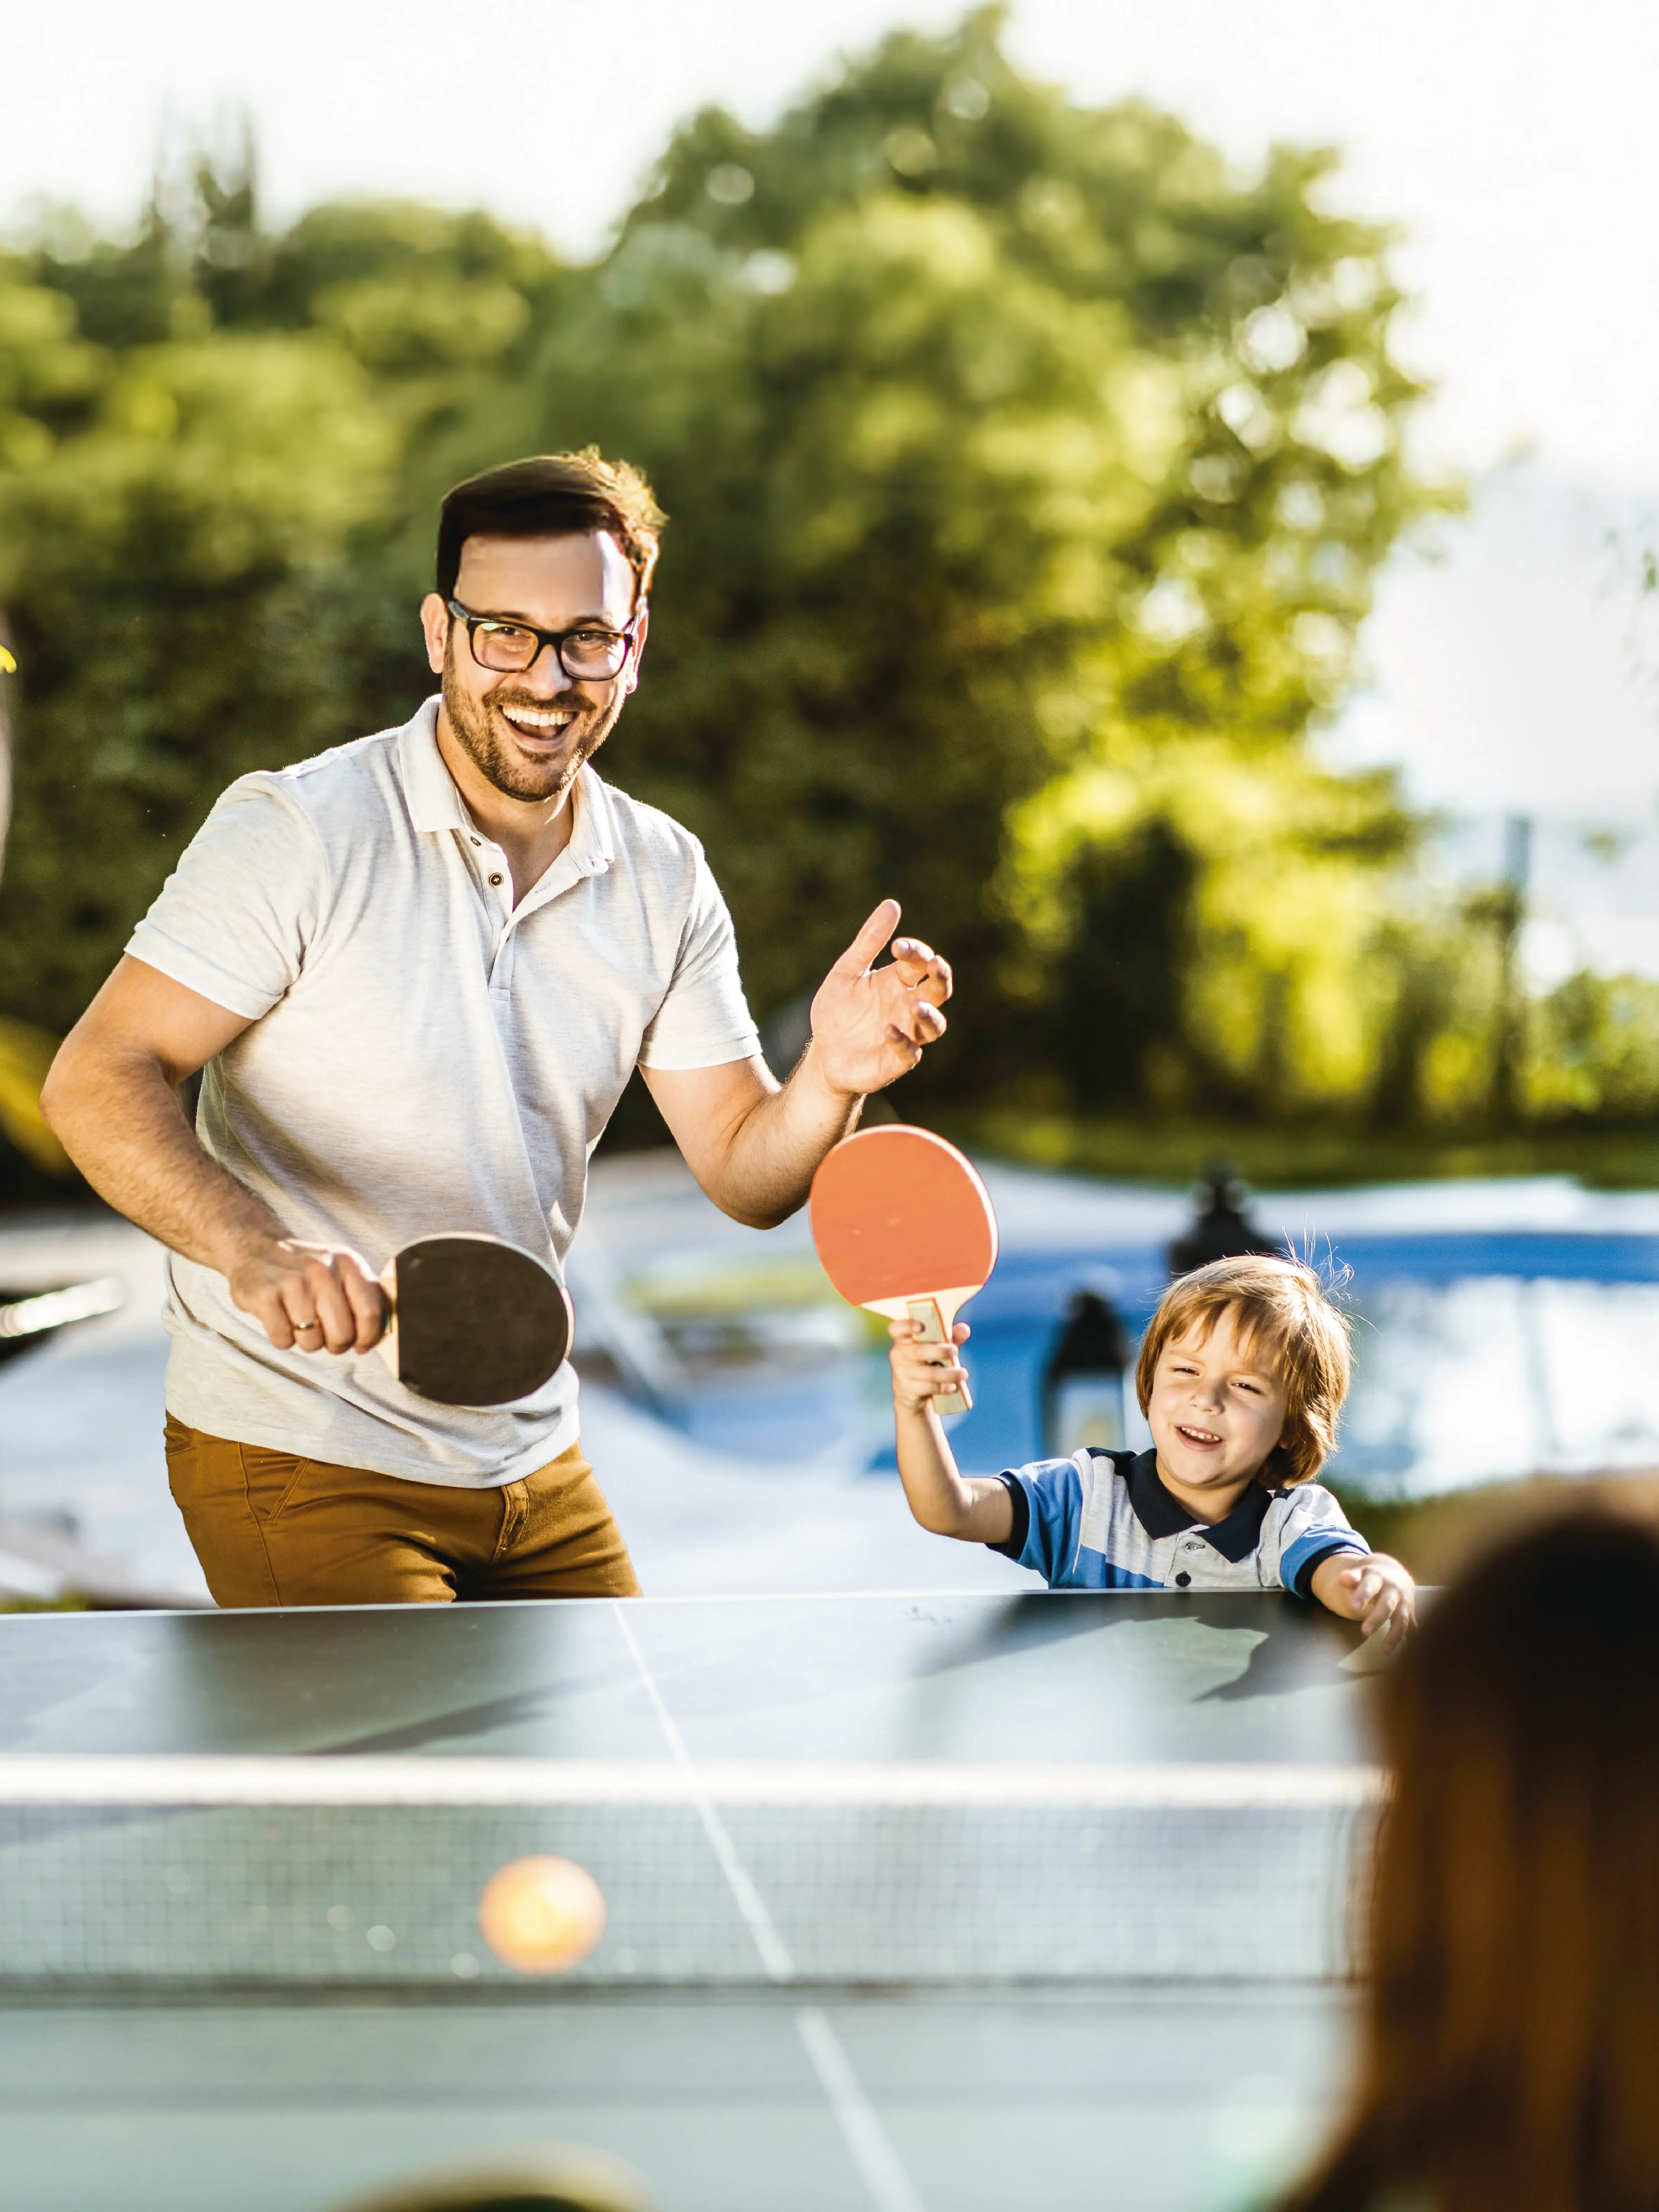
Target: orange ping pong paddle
x,y
904,1225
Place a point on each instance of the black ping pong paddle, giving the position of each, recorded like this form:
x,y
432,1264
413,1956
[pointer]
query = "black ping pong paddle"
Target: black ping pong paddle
x,y
473,1321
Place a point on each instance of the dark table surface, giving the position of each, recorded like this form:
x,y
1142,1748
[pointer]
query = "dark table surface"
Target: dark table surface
x,y
1046,1677
1128,2095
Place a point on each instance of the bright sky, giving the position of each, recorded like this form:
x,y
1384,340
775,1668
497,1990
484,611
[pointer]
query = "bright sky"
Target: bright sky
x,y
1513,139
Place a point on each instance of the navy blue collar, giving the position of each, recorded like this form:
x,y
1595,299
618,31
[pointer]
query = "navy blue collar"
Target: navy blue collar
x,y
1162,1514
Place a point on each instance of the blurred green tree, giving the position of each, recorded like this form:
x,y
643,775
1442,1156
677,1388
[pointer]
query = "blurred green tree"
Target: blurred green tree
x,y
203,439
1030,470
1016,452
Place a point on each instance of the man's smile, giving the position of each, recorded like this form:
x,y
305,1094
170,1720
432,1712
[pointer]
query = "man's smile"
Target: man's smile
x,y
534,722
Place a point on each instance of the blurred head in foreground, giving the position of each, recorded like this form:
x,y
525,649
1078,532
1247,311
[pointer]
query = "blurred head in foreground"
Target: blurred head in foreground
x,y
554,2178
1510,2048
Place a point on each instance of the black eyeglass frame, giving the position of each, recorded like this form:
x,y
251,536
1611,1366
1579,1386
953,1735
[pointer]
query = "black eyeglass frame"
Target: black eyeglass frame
x,y
544,638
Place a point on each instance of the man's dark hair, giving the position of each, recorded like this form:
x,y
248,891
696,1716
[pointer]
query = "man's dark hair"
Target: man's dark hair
x,y
552,495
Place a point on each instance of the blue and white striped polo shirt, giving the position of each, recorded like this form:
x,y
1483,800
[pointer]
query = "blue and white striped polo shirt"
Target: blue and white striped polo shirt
x,y
1104,1521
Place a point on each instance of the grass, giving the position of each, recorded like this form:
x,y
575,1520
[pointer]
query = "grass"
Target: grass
x,y
712,1286
1303,1155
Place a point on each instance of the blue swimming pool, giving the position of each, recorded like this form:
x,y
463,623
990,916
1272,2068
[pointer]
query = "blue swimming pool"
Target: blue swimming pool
x,y
1501,1329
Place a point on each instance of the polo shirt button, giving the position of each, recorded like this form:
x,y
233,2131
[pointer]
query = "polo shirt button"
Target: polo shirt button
x,y
496,880
1183,1578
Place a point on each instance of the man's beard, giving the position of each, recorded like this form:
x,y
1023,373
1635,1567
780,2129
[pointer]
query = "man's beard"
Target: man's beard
x,y
490,749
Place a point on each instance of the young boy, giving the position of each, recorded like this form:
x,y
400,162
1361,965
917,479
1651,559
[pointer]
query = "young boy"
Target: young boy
x,y
1241,1376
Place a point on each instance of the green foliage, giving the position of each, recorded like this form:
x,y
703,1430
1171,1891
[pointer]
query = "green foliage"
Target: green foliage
x,y
205,439
1320,1153
1592,1050
161,563
1028,472
1014,450
1271,888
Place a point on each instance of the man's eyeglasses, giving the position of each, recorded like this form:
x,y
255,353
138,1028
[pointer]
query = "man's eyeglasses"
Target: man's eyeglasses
x,y
588,654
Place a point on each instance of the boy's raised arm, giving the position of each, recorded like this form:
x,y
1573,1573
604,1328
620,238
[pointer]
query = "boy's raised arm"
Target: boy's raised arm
x,y
975,1508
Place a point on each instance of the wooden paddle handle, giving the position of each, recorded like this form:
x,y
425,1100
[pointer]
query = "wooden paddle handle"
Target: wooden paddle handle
x,y
933,1331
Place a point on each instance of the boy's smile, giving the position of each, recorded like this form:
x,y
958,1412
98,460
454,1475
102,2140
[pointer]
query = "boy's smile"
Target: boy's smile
x,y
1216,1411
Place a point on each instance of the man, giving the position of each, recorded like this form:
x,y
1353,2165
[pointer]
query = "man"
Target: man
x,y
418,971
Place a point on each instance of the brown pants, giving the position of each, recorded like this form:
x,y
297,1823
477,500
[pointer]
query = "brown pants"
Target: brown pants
x,y
270,1528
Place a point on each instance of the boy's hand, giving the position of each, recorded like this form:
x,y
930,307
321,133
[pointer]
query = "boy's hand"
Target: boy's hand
x,y
921,1370
974,1508
1376,1591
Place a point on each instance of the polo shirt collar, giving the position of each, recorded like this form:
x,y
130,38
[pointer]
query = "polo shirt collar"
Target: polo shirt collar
x,y
428,788
436,803
1162,1514
594,833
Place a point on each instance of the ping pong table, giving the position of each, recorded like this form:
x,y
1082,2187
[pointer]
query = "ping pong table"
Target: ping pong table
x,y
944,1901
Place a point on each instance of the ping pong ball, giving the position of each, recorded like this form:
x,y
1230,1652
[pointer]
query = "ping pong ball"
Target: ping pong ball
x,y
541,1914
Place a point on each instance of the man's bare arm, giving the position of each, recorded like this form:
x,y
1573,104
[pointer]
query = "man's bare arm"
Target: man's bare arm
x,y
753,1144
113,1098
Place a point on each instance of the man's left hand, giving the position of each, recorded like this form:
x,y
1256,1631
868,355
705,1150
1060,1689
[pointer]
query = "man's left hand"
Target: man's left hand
x,y
870,1024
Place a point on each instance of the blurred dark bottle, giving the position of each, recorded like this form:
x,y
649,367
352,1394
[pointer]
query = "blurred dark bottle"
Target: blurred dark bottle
x,y
1221,1228
1084,1382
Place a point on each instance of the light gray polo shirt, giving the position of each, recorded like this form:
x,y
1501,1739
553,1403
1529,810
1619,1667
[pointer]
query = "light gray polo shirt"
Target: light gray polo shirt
x,y
423,1056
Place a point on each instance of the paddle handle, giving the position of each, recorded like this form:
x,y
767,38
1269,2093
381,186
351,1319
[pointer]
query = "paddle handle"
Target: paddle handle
x,y
933,1331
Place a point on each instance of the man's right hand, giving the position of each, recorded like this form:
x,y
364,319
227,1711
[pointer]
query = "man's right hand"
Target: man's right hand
x,y
312,1297
112,1098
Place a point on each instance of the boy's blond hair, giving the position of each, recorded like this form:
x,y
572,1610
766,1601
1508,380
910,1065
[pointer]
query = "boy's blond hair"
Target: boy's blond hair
x,y
1284,1312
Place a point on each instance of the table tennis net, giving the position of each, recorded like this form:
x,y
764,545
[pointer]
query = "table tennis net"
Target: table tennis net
x,y
222,1873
